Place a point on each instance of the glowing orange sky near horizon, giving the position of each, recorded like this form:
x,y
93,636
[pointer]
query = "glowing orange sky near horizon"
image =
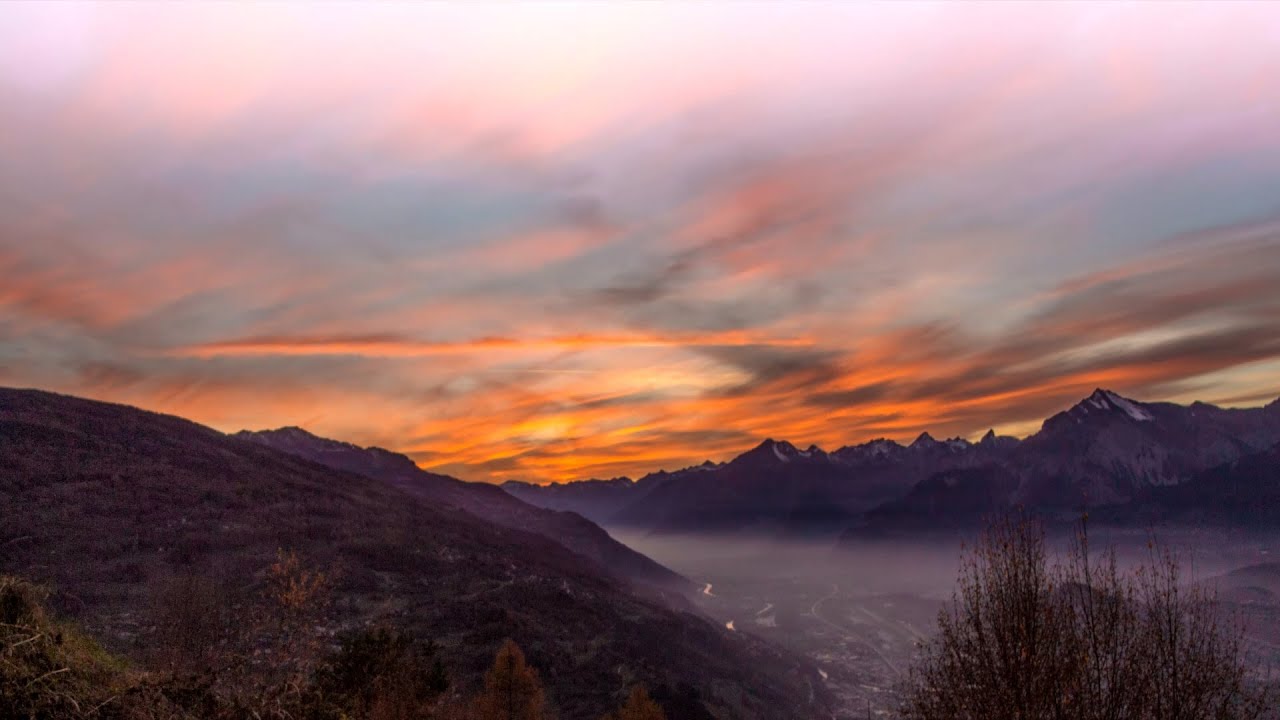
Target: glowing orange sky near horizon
x,y
566,240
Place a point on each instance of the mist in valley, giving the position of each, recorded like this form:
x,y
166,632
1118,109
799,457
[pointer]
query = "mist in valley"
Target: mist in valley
x,y
861,610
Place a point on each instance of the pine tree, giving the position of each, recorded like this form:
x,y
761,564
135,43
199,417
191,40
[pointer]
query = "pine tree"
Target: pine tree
x,y
639,706
511,688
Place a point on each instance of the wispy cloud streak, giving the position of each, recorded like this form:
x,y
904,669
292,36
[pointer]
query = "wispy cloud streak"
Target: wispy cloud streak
x,y
557,241
396,347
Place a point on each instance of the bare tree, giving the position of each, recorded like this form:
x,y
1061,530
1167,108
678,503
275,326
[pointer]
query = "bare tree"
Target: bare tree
x,y
1002,642
1078,639
1194,657
1105,635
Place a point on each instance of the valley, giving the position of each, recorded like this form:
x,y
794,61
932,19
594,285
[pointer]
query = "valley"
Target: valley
x,y
860,612
857,618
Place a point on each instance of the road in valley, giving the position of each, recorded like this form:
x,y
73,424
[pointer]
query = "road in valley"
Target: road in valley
x,y
815,611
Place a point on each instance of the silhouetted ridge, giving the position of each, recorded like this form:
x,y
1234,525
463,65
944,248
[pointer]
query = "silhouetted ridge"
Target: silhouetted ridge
x,y
108,505
483,500
924,440
1104,449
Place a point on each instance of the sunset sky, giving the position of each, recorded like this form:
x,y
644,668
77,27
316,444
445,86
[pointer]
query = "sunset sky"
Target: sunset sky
x,y
557,241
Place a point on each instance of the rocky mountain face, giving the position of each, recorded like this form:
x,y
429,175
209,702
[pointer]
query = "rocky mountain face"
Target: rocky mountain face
x,y
1105,451
1123,460
484,501
949,501
108,505
775,486
1242,493
1108,449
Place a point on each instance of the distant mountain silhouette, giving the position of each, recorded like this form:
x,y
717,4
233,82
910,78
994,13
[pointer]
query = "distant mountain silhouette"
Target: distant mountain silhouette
x,y
107,504
1105,451
598,500
775,487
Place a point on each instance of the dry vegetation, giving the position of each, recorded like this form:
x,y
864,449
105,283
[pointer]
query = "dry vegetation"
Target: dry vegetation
x,y
1026,639
50,670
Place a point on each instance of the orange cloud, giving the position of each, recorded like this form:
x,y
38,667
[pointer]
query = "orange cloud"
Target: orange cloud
x,y
390,347
521,246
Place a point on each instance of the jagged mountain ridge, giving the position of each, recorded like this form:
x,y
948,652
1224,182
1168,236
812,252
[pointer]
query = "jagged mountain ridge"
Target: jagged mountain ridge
x,y
774,485
1104,450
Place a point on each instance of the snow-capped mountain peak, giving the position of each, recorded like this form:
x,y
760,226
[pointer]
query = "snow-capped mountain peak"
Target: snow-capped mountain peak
x,y
770,451
1108,401
781,452
882,447
925,440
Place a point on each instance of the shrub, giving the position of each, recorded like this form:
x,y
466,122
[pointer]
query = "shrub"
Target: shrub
x,y
1078,640
49,671
384,674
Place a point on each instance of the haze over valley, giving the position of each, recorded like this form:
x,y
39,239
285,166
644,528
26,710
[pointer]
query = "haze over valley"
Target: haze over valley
x,y
858,595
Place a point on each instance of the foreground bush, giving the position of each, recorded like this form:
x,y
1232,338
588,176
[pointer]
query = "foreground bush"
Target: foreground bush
x,y
49,671
1078,640
381,674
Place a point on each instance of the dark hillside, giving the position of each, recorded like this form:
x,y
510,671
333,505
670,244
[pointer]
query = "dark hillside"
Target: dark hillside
x,y
487,502
107,504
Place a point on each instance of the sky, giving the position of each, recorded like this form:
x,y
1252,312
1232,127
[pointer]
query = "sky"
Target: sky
x,y
566,240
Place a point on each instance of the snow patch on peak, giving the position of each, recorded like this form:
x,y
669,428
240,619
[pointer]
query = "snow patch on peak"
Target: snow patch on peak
x,y
883,446
778,453
878,448
1130,408
1108,401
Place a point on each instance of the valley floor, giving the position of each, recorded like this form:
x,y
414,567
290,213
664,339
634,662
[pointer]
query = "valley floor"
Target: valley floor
x,y
861,613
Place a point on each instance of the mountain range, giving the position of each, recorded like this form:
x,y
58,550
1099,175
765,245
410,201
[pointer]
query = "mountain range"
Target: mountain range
x,y
1138,460
108,505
